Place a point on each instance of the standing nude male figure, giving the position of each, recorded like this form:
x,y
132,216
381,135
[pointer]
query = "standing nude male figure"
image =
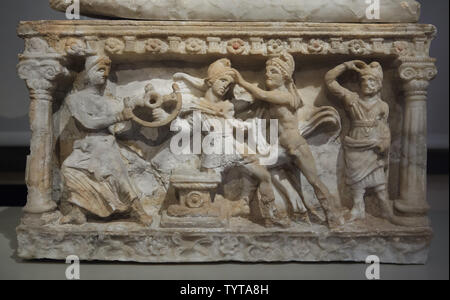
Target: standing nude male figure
x,y
284,100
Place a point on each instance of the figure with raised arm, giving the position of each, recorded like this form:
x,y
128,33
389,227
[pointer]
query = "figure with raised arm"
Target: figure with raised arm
x,y
213,105
368,142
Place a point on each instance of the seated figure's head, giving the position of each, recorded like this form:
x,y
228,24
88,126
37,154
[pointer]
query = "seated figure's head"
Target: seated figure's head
x,y
279,70
97,69
371,79
221,77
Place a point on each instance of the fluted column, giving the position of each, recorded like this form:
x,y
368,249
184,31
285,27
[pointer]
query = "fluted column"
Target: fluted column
x,y
416,74
40,67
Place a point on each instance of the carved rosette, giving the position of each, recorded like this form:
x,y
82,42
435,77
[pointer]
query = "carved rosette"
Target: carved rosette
x,y
75,47
40,66
236,46
195,45
156,46
416,74
114,46
358,47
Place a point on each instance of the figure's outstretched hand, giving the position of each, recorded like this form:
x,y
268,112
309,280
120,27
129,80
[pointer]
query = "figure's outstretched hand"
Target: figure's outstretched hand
x,y
159,114
127,113
238,77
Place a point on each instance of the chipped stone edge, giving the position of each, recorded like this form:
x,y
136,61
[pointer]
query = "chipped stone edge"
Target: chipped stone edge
x,y
161,246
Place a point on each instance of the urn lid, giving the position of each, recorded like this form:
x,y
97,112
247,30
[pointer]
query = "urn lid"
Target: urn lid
x,y
320,11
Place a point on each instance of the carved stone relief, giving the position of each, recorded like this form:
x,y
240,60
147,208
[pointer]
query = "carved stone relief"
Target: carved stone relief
x,y
194,144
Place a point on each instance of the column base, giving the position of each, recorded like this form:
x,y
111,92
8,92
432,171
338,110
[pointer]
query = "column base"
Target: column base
x,y
38,204
408,208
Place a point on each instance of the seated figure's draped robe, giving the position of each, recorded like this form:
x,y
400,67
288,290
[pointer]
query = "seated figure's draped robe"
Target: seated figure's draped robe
x,y
95,174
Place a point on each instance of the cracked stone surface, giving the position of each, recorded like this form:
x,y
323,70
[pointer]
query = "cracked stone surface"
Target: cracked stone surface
x,y
332,11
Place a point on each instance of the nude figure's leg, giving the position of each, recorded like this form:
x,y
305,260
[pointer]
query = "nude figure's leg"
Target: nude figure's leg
x,y
304,160
262,210
265,181
266,211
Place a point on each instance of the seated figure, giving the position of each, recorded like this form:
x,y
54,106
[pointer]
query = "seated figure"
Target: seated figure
x,y
95,175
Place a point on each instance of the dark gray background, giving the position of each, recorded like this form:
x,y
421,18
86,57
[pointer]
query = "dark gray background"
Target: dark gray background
x,y
14,127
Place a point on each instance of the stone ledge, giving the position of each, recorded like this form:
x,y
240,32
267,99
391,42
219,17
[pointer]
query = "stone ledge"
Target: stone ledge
x,y
130,242
199,28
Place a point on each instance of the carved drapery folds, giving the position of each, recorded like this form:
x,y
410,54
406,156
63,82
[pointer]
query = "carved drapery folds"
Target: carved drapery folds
x,y
416,74
40,67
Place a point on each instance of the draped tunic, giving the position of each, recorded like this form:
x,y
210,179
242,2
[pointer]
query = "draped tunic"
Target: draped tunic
x,y
369,137
95,174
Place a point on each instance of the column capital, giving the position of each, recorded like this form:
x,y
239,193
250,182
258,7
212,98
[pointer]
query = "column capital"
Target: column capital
x,y
40,66
416,74
417,68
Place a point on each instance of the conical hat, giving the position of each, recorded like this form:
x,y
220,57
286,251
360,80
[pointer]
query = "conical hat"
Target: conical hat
x,y
93,61
218,69
374,69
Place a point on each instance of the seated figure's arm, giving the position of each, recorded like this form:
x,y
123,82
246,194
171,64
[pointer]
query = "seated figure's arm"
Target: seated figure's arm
x,y
95,115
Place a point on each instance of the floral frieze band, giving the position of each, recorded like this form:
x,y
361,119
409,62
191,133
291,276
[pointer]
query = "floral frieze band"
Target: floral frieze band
x,y
248,39
251,46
